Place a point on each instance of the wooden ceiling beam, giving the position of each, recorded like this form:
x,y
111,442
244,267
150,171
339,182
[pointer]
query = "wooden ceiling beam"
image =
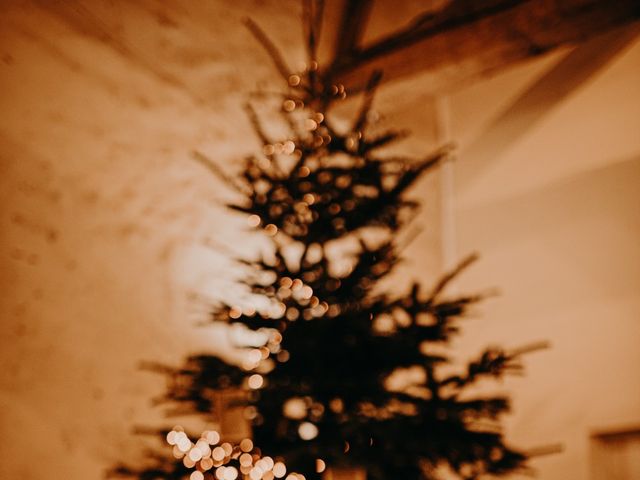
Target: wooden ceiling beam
x,y
342,29
355,14
476,38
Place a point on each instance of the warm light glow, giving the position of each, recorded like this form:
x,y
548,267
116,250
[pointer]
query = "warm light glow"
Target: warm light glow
x,y
255,473
271,229
255,355
255,381
295,408
306,292
320,465
177,453
279,470
246,445
196,475
283,356
268,150
218,454
204,447
336,405
230,473
307,431
195,454
304,171
184,444
288,147
253,220
268,462
206,464
228,449
211,436
294,80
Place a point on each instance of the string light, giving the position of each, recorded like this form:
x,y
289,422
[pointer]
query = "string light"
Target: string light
x,y
255,381
228,465
271,229
246,445
253,220
279,469
307,431
294,80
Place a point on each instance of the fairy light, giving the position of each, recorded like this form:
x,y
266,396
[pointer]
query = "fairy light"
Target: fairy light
x,y
288,147
307,431
294,80
255,381
271,229
283,356
304,171
195,454
306,292
253,221
279,470
246,445
218,454
255,355
206,463
230,473
268,149
255,473
211,436
295,408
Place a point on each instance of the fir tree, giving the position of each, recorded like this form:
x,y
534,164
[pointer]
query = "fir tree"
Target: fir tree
x,y
318,388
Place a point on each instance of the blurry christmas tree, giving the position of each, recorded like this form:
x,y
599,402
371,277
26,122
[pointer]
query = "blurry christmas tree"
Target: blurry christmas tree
x,y
318,386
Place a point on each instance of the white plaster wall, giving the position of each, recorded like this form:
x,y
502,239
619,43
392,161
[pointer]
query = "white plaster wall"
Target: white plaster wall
x,y
555,215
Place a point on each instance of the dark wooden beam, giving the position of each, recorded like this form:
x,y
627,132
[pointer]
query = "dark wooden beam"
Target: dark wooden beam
x,y
343,26
468,38
530,107
355,14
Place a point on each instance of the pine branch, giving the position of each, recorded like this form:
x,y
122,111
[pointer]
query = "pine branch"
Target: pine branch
x,y
270,48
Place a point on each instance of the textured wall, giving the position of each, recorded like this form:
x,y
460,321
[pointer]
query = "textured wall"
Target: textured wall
x,y
554,211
